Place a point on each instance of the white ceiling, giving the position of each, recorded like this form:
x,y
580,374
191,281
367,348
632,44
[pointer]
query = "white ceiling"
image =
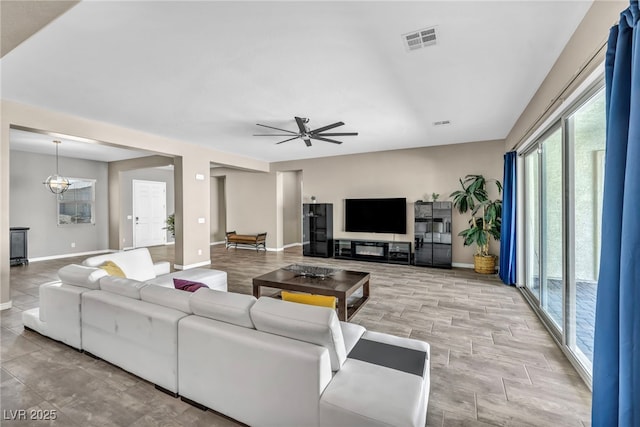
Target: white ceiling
x,y
32,142
207,72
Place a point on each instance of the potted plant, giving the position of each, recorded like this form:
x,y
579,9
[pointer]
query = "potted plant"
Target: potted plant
x,y
486,218
171,225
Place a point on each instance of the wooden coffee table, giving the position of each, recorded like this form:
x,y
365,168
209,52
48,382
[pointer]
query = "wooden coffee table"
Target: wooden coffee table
x,y
340,284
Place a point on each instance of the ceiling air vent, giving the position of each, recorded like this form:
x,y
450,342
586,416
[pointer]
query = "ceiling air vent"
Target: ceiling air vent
x,y
441,123
419,39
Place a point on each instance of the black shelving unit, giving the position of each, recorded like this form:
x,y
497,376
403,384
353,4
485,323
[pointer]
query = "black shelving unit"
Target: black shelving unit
x,y
432,230
317,230
373,250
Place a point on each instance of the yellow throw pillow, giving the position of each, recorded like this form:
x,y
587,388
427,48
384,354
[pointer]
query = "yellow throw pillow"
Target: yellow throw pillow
x,y
112,269
321,300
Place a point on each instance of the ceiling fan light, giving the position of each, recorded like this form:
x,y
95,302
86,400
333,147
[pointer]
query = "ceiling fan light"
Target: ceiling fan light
x,y
57,184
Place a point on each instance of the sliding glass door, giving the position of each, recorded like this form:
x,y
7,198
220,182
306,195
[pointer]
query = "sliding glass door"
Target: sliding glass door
x,y
586,138
544,226
532,223
551,235
563,180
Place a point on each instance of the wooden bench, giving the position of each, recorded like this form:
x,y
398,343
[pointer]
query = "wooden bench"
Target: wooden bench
x,y
255,240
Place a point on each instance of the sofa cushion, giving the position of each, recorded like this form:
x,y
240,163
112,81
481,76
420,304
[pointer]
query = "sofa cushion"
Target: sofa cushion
x,y
316,325
166,297
363,394
136,264
79,275
352,334
321,300
187,285
215,279
224,306
122,286
112,269
370,394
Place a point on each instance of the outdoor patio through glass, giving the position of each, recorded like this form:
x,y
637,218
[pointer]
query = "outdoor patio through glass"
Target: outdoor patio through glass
x,y
563,181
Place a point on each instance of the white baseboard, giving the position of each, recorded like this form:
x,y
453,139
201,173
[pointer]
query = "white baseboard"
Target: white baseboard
x,y
251,248
220,242
187,267
170,243
290,245
5,305
47,258
461,265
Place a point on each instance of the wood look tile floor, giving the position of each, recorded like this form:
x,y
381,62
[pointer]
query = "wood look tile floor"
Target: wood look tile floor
x,y
492,361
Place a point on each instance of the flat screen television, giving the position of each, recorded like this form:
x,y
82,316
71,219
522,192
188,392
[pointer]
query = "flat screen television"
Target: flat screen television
x,y
376,215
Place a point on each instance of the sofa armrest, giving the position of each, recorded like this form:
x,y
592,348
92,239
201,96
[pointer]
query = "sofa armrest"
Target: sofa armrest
x,y
60,311
162,267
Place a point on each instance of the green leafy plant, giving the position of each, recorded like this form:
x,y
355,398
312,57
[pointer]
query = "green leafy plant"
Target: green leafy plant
x,y
171,224
486,214
435,196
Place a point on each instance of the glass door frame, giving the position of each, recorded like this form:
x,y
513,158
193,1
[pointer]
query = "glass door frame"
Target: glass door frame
x,y
566,338
536,302
569,338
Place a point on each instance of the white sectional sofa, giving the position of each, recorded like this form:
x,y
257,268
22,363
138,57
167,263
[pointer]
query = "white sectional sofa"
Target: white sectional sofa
x,y
296,366
137,265
59,314
135,326
263,362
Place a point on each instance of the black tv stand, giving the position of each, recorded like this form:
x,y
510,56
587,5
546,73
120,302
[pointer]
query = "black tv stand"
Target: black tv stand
x,y
373,250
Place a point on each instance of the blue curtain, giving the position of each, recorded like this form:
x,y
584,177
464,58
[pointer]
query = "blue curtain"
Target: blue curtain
x,y
508,230
616,358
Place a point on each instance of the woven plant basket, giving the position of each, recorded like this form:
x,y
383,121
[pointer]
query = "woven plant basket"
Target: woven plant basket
x,y
484,264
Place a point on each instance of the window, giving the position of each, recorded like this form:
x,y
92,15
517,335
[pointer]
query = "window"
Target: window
x,y
563,180
77,204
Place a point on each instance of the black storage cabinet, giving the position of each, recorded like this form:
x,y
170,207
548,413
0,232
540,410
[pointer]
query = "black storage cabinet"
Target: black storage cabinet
x,y
432,230
317,230
18,251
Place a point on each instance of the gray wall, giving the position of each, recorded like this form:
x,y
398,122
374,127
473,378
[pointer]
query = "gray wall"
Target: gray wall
x,y
218,209
412,173
263,201
32,205
292,207
251,203
126,198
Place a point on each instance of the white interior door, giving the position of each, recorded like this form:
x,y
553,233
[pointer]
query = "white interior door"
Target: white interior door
x,y
149,213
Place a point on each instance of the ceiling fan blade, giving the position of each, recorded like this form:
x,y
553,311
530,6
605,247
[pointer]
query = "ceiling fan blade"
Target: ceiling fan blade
x,y
307,141
300,122
326,139
334,125
272,134
271,127
338,134
295,137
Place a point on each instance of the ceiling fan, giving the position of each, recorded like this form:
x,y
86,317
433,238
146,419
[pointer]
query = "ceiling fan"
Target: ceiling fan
x,y
306,133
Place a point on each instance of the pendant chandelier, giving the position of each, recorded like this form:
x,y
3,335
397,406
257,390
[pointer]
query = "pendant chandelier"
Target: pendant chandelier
x,y
56,183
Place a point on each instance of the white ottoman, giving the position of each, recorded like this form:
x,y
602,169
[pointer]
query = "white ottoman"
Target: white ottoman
x,y
214,279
